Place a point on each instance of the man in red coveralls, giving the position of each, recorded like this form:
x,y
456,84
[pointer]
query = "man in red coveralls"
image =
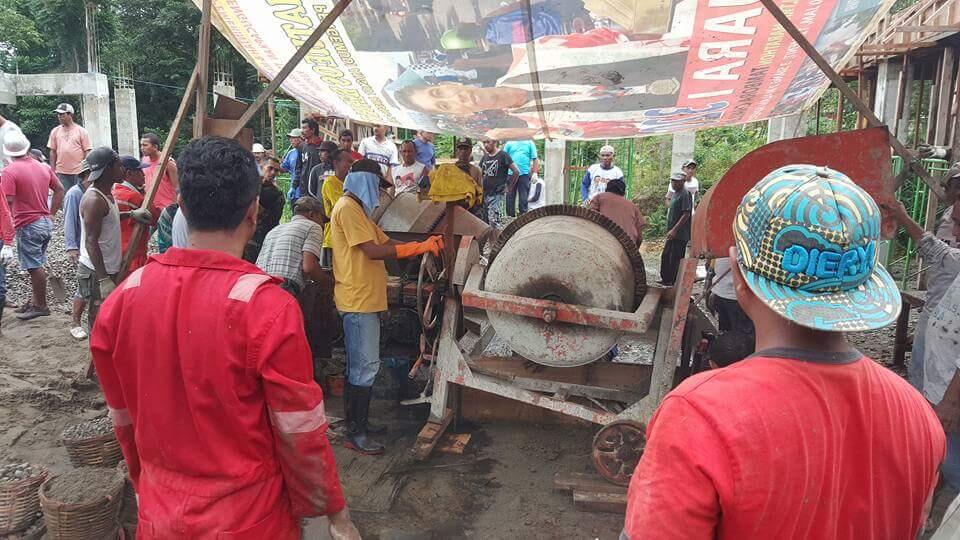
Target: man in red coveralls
x,y
208,376
806,438
129,197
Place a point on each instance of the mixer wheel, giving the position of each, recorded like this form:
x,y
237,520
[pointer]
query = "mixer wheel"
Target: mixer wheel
x,y
617,448
639,274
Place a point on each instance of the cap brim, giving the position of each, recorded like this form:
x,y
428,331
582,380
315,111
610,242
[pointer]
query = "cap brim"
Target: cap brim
x,y
874,304
94,174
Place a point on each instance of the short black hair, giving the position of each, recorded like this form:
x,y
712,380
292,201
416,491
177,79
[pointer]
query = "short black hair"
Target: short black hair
x,y
152,138
339,154
617,186
408,141
273,159
346,133
218,183
329,146
730,347
314,125
366,165
464,144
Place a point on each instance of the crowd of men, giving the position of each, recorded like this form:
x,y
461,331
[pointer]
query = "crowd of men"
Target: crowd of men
x,y
804,437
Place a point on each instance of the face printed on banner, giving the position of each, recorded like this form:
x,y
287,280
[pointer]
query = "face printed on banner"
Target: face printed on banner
x,y
453,98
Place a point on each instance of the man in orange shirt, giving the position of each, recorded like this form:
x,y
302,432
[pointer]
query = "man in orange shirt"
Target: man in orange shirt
x,y
69,143
169,182
129,197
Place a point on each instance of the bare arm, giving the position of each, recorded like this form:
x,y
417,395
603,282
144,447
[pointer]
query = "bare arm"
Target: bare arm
x,y
172,174
92,211
58,194
683,219
311,266
53,159
378,252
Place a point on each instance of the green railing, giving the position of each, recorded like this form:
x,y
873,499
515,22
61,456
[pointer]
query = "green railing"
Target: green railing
x,y
582,154
914,194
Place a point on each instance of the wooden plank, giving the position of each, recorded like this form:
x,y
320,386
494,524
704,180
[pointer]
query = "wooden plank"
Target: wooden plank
x,y
292,63
585,482
430,435
928,28
203,69
168,145
614,503
902,47
453,443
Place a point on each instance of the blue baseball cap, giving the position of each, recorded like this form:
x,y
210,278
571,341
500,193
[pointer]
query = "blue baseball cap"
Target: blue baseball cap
x,y
807,244
131,163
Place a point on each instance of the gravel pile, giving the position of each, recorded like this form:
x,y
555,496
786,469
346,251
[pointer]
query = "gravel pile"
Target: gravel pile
x,y
88,430
14,472
86,484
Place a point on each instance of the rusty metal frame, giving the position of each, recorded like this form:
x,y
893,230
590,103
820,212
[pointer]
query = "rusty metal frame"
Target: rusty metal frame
x,y
454,365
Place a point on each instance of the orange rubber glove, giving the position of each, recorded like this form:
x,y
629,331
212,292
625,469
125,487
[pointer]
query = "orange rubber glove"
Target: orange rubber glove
x,y
432,245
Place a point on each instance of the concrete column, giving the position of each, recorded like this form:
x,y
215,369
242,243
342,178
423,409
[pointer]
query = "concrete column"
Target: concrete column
x,y
888,83
554,179
223,89
784,127
8,89
682,149
125,109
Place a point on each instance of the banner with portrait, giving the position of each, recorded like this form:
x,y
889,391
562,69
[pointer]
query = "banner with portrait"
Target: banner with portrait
x,y
579,69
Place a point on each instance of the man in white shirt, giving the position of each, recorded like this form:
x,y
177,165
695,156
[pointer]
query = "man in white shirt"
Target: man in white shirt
x,y
380,149
406,177
6,126
692,185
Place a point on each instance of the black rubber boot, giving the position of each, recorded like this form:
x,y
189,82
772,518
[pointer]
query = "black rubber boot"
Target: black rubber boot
x,y
357,437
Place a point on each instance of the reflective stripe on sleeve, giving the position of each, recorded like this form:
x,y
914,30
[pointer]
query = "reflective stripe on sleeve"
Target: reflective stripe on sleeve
x,y
299,421
245,286
121,417
133,280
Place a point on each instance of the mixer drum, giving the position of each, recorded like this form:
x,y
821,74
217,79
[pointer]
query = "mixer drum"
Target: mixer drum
x,y
570,255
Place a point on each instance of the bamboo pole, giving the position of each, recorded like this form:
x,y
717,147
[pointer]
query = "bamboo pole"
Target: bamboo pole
x,y
168,147
203,70
898,147
289,66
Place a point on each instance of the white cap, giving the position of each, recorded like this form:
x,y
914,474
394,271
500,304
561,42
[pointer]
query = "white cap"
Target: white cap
x,y
258,148
295,132
607,149
64,108
15,144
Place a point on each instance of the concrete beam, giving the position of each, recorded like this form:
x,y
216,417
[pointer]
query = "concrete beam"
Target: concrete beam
x,y
784,127
554,179
683,144
63,84
8,89
128,132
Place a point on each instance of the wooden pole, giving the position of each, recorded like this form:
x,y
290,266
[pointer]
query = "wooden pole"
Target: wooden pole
x,y
289,66
902,94
272,111
839,117
846,91
168,147
203,70
819,101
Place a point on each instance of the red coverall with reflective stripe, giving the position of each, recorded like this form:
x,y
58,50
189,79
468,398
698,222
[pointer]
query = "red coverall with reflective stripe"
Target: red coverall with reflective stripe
x,y
207,372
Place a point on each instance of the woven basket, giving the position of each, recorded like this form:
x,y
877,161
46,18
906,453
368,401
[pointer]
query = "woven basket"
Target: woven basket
x,y
128,504
20,502
99,451
93,520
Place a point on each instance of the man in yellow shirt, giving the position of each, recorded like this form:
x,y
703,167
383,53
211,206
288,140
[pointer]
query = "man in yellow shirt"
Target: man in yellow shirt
x,y
332,191
359,249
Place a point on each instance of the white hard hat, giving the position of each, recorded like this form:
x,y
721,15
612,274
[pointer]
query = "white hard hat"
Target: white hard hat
x,y
258,148
607,149
15,144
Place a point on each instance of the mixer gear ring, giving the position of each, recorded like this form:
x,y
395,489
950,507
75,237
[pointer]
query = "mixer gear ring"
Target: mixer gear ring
x,y
617,448
629,247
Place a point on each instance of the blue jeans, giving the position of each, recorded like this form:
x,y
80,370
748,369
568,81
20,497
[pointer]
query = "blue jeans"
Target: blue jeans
x,y
361,339
32,240
951,462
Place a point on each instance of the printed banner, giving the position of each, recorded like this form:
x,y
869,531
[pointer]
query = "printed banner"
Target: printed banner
x,y
579,69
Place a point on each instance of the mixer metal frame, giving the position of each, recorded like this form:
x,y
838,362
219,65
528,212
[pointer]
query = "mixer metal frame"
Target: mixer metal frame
x,y
454,365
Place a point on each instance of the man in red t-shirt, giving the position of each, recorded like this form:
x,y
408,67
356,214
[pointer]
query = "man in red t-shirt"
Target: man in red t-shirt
x,y
207,374
169,182
806,438
26,184
129,197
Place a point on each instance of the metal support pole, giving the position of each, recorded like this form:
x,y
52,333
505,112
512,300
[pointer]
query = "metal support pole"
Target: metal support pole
x,y
898,147
289,66
203,70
